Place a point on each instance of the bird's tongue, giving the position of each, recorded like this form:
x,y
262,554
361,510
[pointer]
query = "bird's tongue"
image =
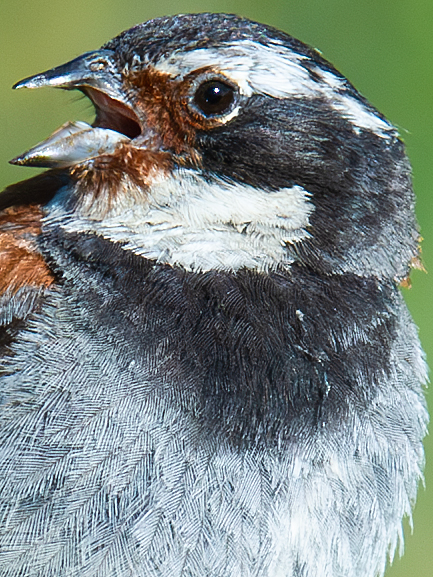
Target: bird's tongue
x,y
73,143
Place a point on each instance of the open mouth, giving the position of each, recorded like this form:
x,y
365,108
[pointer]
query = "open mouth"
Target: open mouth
x,y
95,74
113,114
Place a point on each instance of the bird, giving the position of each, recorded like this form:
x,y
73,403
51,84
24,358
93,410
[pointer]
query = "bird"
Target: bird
x,y
207,365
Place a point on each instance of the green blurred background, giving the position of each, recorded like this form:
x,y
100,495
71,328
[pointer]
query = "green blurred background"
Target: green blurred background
x,y
385,47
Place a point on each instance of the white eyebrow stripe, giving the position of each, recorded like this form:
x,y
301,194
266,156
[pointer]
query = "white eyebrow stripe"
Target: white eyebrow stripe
x,y
247,64
352,108
276,71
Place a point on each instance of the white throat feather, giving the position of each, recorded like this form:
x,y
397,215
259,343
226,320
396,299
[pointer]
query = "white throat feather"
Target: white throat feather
x,y
189,221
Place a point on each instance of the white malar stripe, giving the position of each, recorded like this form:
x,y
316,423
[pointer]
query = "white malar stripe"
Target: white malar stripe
x,y
188,221
277,71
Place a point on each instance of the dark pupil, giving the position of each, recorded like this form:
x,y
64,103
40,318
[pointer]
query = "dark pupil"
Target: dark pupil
x,y
214,97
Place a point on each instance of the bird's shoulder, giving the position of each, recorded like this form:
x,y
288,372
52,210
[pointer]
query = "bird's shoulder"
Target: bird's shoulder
x,y
25,274
21,263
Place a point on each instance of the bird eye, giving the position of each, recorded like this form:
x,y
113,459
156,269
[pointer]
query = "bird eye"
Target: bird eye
x,y
214,97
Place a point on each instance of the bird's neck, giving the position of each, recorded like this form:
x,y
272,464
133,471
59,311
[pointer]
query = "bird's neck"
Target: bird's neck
x,y
198,224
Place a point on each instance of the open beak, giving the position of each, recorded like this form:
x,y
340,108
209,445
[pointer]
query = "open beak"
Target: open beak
x,y
96,75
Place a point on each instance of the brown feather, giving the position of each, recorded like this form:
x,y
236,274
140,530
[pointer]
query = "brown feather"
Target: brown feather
x,y
20,262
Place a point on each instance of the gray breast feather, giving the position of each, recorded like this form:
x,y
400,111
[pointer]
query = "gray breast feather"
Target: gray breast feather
x,y
107,467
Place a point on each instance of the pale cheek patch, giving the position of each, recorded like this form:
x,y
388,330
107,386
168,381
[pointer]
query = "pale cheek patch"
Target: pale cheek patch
x,y
202,225
278,72
201,204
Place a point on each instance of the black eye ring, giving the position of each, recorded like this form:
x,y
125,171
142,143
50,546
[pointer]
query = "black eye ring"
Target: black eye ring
x,y
214,97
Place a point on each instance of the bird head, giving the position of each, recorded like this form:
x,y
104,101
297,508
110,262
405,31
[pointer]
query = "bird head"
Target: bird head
x,y
220,143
